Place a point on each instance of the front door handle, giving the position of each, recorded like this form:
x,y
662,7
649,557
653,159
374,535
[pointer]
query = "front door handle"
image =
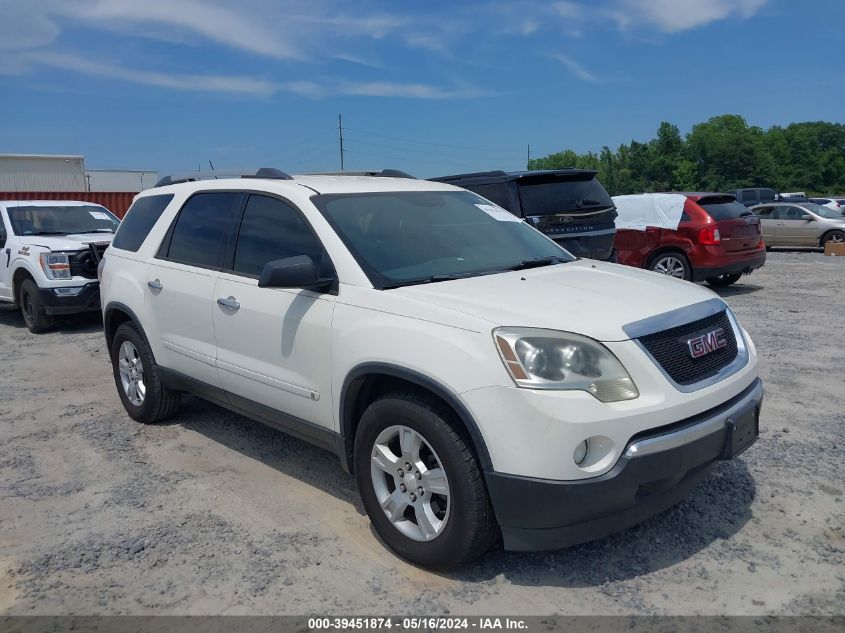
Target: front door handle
x,y
228,302
155,284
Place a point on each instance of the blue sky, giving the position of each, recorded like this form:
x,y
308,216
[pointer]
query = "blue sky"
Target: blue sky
x,y
431,87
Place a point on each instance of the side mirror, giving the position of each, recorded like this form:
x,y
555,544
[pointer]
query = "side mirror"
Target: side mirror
x,y
293,272
809,218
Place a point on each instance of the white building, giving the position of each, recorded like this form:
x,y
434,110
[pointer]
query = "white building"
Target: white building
x,y
38,172
34,172
120,179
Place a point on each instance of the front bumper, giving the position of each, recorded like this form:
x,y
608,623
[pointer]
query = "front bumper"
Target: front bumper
x,y
734,267
87,300
657,470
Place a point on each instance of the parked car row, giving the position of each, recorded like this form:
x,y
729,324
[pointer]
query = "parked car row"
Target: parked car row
x,y
482,383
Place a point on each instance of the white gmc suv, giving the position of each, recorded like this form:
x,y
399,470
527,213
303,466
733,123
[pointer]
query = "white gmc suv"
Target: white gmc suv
x,y
49,252
480,382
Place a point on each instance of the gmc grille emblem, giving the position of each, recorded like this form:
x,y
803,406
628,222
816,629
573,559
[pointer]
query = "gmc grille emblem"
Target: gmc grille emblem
x,y
706,343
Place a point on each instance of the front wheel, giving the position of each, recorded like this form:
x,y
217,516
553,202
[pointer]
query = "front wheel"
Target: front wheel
x,y
723,280
420,482
672,264
138,379
834,237
32,308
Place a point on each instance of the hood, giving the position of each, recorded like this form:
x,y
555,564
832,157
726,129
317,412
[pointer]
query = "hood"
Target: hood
x,y
73,242
586,297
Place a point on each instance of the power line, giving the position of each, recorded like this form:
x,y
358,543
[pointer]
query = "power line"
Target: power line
x,y
435,152
436,143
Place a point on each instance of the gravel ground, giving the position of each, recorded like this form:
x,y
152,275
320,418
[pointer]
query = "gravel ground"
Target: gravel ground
x,y
213,514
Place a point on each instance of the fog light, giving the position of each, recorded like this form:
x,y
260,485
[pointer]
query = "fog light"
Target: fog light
x,y
70,291
580,455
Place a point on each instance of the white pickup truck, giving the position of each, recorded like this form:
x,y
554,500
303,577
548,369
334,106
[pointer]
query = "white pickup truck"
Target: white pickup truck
x,y
49,252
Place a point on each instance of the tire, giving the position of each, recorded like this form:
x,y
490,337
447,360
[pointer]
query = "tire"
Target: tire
x,y
833,236
32,308
461,526
723,280
671,263
149,401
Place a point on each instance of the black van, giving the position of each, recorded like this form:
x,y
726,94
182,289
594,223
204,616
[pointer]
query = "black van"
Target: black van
x,y
755,195
568,205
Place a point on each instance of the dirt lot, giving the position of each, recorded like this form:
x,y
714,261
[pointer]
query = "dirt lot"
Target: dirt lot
x,y
214,514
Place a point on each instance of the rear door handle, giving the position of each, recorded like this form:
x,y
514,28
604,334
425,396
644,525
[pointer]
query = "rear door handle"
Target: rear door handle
x,y
155,284
228,302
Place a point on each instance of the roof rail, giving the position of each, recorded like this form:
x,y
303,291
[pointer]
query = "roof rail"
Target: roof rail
x,y
263,172
381,173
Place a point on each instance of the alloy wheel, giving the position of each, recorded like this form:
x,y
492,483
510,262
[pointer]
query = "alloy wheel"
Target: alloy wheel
x,y
131,370
410,483
670,265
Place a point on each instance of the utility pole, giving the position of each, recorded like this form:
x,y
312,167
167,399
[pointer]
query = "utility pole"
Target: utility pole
x,y
340,135
528,163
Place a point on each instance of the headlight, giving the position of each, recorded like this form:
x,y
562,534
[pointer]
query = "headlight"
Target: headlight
x,y
548,359
55,265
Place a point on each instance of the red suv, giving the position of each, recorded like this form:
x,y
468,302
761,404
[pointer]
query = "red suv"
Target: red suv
x,y
717,240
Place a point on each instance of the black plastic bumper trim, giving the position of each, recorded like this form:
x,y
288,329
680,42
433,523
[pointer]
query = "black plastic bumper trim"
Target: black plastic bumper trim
x,y
88,300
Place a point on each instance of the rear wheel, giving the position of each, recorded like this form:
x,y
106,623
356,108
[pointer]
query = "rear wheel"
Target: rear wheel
x,y
834,237
723,280
138,379
672,264
420,482
34,314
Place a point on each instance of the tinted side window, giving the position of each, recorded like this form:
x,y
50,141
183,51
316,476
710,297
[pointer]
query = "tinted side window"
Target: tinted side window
x,y
767,195
497,192
791,213
272,229
726,210
766,213
749,195
201,229
139,221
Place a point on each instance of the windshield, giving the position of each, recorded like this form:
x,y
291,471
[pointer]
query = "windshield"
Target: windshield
x,y
406,237
821,211
61,220
547,197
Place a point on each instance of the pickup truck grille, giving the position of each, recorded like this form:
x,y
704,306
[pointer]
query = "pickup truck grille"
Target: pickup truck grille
x,y
671,349
84,263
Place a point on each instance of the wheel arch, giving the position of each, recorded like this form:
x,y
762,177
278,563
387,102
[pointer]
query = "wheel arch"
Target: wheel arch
x,y
826,234
365,382
116,314
20,274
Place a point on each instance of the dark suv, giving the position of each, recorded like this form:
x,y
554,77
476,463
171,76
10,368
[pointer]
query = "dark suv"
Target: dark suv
x,y
568,205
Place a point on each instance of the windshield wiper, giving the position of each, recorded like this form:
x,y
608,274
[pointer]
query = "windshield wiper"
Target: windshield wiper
x,y
46,233
537,262
435,278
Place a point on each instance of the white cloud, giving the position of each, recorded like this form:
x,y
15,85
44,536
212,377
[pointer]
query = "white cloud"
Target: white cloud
x,y
672,16
576,69
231,84
408,90
188,82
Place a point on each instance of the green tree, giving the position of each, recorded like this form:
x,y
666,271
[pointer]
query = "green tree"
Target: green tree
x,y
720,154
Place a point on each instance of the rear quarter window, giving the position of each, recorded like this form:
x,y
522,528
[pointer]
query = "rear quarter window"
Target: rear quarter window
x,y
139,221
725,210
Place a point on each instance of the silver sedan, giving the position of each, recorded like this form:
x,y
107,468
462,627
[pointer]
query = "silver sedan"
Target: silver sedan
x,y
799,224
